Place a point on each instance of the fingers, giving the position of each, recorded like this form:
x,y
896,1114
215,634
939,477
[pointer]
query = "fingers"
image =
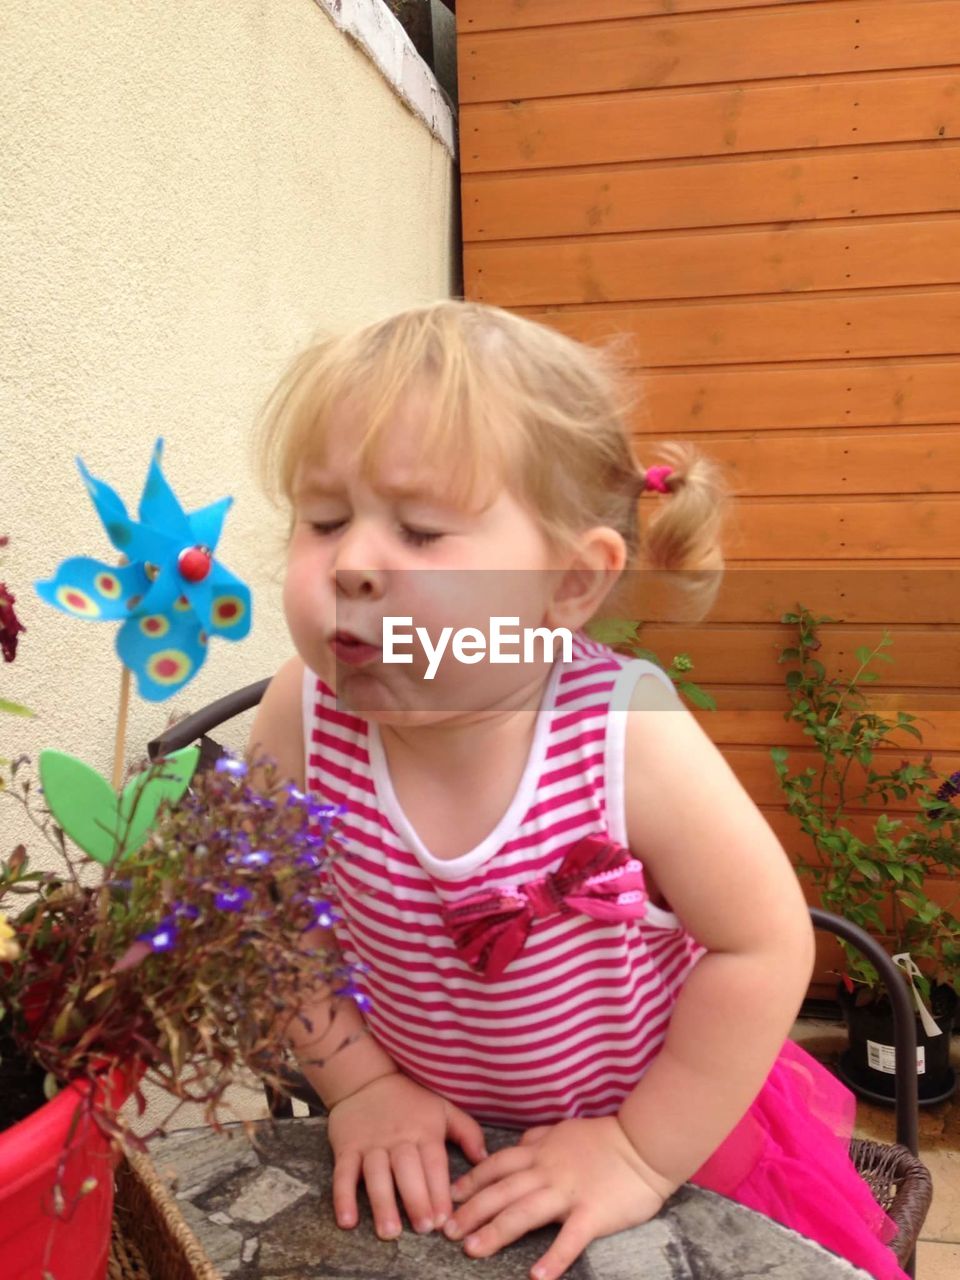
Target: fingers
x,y
534,1210
346,1172
484,1206
436,1170
465,1131
378,1177
500,1165
571,1240
407,1164
420,1175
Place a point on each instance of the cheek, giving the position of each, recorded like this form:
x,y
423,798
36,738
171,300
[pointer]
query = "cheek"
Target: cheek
x,y
304,582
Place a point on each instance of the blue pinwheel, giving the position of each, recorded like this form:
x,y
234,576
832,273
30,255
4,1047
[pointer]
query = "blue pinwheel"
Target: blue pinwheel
x,y
171,595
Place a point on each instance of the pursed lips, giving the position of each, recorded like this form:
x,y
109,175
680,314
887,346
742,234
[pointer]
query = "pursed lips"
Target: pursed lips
x,y
352,649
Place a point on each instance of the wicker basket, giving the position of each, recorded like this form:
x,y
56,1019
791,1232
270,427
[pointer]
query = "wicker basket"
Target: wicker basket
x,y
150,1238
901,1185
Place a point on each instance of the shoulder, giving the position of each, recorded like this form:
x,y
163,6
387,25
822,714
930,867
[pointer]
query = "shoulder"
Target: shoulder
x,y
277,729
669,759
655,691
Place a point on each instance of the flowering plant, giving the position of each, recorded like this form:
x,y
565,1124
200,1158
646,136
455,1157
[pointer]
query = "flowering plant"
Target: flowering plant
x,y
180,961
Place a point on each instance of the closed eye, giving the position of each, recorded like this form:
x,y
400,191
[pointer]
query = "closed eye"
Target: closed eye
x,y
419,537
415,537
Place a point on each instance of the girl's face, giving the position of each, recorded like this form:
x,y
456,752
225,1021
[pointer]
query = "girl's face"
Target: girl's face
x,y
396,545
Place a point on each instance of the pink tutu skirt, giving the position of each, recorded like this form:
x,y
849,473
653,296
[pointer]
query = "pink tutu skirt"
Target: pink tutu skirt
x,y
788,1158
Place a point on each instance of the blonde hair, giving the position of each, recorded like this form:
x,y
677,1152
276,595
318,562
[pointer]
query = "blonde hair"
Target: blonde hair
x,y
509,402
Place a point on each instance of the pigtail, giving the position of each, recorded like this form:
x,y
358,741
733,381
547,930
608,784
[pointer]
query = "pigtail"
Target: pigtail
x,y
684,536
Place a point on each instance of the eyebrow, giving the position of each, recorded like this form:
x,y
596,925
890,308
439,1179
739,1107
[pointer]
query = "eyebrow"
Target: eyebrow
x,y
412,490
318,488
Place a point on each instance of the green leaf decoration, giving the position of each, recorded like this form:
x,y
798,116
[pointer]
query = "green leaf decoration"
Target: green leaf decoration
x,y
15,708
144,794
86,806
83,803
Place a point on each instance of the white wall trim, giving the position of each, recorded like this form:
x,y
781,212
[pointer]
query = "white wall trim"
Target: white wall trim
x,y
371,25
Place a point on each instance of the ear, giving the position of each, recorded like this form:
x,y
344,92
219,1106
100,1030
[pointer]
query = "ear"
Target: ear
x,y
589,573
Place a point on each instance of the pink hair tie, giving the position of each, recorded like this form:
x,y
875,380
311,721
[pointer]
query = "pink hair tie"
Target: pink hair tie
x,y
656,478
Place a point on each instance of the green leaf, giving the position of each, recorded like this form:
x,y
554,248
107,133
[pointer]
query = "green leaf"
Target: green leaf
x,y
82,802
143,795
699,697
86,806
613,631
15,708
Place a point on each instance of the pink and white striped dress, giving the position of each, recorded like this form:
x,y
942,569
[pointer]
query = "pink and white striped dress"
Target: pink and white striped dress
x,y
577,1017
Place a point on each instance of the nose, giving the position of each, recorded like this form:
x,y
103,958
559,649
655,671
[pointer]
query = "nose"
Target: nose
x,y
357,567
359,584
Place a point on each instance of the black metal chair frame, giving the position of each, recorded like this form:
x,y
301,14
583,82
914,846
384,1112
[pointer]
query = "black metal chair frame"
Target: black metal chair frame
x,y
198,726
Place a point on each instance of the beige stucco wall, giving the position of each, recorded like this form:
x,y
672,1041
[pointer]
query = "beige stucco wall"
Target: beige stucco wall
x,y
189,192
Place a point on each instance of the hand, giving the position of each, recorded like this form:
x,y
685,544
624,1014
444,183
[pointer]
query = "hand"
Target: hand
x,y
393,1131
586,1174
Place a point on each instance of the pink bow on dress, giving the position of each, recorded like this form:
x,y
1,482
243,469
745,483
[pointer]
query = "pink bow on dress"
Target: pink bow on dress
x,y
598,878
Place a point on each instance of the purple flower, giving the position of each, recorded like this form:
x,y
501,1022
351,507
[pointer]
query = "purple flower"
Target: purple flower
x,y
162,937
310,859
950,788
325,815
235,768
295,794
185,911
354,993
323,912
256,858
232,899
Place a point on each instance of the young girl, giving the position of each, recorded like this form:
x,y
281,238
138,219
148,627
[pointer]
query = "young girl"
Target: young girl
x,y
570,918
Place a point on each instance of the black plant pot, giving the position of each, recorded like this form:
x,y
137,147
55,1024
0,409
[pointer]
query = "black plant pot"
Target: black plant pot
x,y
867,1065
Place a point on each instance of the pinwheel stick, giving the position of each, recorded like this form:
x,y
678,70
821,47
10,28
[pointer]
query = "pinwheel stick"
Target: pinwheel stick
x,y
119,740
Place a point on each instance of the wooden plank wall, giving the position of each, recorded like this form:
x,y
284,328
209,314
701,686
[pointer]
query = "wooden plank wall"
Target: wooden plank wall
x,y
765,198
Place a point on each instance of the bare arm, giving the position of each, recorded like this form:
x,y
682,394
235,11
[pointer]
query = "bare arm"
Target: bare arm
x,y
728,878
332,1071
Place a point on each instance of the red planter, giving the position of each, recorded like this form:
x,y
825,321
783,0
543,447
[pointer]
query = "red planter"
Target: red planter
x,y
57,1147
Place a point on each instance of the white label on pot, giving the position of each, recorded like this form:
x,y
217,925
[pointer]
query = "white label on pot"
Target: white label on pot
x,y
883,1057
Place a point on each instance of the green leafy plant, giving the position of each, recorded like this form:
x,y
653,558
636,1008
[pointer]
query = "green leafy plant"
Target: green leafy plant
x,y
624,636
877,878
